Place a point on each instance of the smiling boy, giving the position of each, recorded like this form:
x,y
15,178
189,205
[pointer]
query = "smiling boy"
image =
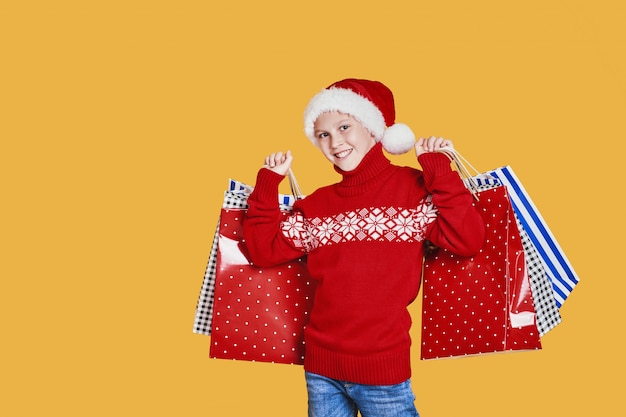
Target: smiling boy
x,y
364,240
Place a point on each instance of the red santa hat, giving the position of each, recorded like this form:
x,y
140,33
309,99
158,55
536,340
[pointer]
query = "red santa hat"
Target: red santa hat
x,y
371,103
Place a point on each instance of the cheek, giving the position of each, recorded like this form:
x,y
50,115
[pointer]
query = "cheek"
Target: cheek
x,y
325,150
367,143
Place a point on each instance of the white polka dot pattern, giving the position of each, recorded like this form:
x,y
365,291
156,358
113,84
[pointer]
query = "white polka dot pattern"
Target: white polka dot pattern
x,y
259,313
481,304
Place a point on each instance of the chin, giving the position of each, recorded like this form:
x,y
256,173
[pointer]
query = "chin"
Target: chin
x,y
347,167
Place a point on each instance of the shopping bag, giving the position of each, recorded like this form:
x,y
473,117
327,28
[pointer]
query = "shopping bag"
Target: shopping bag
x,y
480,304
556,264
235,196
259,313
546,311
546,308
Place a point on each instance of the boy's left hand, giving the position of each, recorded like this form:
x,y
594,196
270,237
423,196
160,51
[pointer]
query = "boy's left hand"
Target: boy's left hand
x,y
432,144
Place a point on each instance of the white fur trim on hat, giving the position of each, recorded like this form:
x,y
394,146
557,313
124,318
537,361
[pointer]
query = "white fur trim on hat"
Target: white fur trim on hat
x,y
344,101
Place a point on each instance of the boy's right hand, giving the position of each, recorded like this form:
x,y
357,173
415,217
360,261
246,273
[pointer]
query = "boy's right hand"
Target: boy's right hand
x,y
279,162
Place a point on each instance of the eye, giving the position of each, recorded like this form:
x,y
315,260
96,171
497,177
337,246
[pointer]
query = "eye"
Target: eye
x,y
322,135
344,127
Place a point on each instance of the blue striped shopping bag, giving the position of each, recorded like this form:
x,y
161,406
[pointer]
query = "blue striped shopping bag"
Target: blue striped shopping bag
x,y
556,264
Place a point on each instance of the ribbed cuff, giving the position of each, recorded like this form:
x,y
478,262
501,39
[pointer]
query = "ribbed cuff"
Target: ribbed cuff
x,y
434,164
266,187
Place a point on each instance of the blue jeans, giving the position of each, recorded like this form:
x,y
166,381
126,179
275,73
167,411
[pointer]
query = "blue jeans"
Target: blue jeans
x,y
332,398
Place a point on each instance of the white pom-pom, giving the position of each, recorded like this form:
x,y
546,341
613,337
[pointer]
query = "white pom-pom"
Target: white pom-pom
x,y
398,139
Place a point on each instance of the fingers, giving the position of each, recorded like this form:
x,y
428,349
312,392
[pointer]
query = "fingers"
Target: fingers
x,y
279,162
446,143
277,158
431,144
274,159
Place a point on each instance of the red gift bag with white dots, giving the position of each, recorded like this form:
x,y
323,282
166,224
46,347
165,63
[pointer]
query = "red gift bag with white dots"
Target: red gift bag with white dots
x,y
259,314
480,304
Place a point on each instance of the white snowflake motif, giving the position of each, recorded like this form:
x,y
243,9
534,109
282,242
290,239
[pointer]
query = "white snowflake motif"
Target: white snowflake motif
x,y
375,223
404,225
324,230
426,212
348,225
310,243
293,227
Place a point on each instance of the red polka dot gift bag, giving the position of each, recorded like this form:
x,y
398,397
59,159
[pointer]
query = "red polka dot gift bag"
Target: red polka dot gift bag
x,y
252,313
480,304
484,303
259,314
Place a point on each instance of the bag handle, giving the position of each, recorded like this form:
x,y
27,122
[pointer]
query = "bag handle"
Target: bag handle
x,y
293,184
464,168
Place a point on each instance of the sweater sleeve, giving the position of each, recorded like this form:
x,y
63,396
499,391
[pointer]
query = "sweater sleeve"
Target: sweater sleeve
x,y
266,244
459,226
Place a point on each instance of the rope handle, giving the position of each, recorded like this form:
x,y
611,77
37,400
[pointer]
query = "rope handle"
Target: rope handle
x,y
465,169
293,184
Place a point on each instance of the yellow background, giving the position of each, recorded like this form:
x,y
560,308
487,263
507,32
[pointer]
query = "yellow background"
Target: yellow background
x,y
121,122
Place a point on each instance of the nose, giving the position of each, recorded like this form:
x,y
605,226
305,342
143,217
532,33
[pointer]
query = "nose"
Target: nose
x,y
336,140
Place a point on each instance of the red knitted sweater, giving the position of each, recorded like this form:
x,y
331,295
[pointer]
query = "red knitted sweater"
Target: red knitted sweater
x,y
364,239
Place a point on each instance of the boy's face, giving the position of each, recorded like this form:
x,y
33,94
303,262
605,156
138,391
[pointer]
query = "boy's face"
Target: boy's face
x,y
342,139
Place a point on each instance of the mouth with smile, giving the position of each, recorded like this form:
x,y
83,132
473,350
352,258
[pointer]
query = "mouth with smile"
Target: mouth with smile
x,y
343,154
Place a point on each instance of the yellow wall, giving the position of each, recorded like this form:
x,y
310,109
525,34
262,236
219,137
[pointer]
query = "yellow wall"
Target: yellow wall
x,y
121,122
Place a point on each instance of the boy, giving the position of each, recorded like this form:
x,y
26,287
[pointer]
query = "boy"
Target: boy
x,y
364,239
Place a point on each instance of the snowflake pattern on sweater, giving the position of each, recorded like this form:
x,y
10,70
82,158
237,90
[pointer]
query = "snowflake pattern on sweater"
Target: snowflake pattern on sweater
x,y
391,224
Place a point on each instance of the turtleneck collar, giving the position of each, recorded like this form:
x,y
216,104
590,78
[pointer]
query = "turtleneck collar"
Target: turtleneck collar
x,y
367,173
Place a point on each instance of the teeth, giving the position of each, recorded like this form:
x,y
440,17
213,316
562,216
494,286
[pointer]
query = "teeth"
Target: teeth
x,y
343,153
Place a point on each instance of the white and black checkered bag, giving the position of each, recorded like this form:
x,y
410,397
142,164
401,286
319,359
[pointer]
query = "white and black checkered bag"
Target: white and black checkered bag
x,y
236,196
